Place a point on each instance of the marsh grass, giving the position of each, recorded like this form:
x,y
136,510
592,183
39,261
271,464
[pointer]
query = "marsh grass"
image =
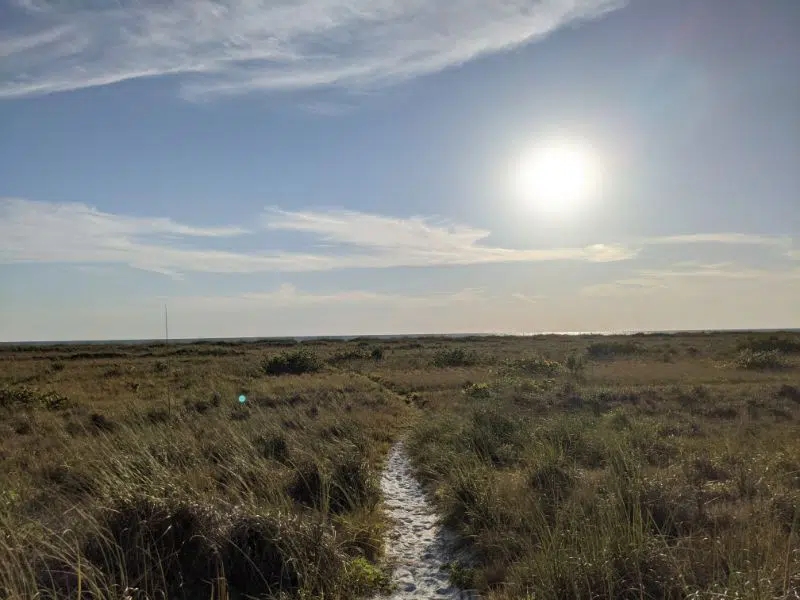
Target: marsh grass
x,y
568,467
123,498
622,495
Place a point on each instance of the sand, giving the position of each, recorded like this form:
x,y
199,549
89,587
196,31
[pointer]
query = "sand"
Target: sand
x,y
417,546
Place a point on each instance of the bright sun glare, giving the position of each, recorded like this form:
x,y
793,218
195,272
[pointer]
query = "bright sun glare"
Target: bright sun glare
x,y
557,177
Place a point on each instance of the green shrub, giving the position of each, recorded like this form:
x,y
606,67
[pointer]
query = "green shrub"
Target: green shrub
x,y
534,366
348,355
25,397
295,362
478,390
762,360
364,577
454,357
612,349
773,343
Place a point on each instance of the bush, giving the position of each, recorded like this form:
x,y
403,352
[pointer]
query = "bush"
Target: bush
x,y
116,370
607,350
272,447
25,397
454,357
534,366
790,392
766,360
295,362
157,415
100,422
377,354
22,426
575,364
773,343
480,391
348,355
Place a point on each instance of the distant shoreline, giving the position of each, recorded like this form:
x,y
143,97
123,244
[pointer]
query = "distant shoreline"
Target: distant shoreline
x,y
256,339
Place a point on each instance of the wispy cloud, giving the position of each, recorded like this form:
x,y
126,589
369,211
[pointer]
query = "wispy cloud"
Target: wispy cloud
x,y
740,239
535,299
75,233
648,281
419,241
287,295
328,240
235,46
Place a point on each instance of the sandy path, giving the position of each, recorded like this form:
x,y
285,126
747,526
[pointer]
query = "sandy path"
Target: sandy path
x,y
416,546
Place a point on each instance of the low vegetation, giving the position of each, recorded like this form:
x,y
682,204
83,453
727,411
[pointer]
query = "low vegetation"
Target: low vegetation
x,y
567,467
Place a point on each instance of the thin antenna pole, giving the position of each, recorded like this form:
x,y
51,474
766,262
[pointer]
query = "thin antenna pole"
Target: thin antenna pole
x,y
166,343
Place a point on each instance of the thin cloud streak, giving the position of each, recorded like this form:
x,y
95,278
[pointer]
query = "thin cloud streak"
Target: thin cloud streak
x,y
648,281
236,46
75,233
421,240
32,232
740,239
289,296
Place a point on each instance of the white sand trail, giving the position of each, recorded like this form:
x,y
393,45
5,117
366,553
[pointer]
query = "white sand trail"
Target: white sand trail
x,y
417,546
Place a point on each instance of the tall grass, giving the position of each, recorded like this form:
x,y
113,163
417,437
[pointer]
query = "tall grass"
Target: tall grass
x,y
562,477
613,500
270,500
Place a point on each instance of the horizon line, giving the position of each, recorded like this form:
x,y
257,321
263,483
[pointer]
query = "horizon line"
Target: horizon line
x,y
392,336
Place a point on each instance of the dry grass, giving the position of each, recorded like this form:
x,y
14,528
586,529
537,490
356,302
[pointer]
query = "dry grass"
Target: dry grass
x,y
646,467
632,477
142,472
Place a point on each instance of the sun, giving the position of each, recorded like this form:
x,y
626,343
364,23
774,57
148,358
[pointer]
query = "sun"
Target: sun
x,y
557,177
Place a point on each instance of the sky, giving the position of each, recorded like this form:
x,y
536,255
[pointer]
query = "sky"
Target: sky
x,y
338,167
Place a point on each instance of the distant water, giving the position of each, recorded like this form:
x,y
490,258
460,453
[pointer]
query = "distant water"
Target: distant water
x,y
303,338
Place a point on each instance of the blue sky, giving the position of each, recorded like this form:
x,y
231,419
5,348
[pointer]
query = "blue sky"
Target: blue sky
x,y
315,167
